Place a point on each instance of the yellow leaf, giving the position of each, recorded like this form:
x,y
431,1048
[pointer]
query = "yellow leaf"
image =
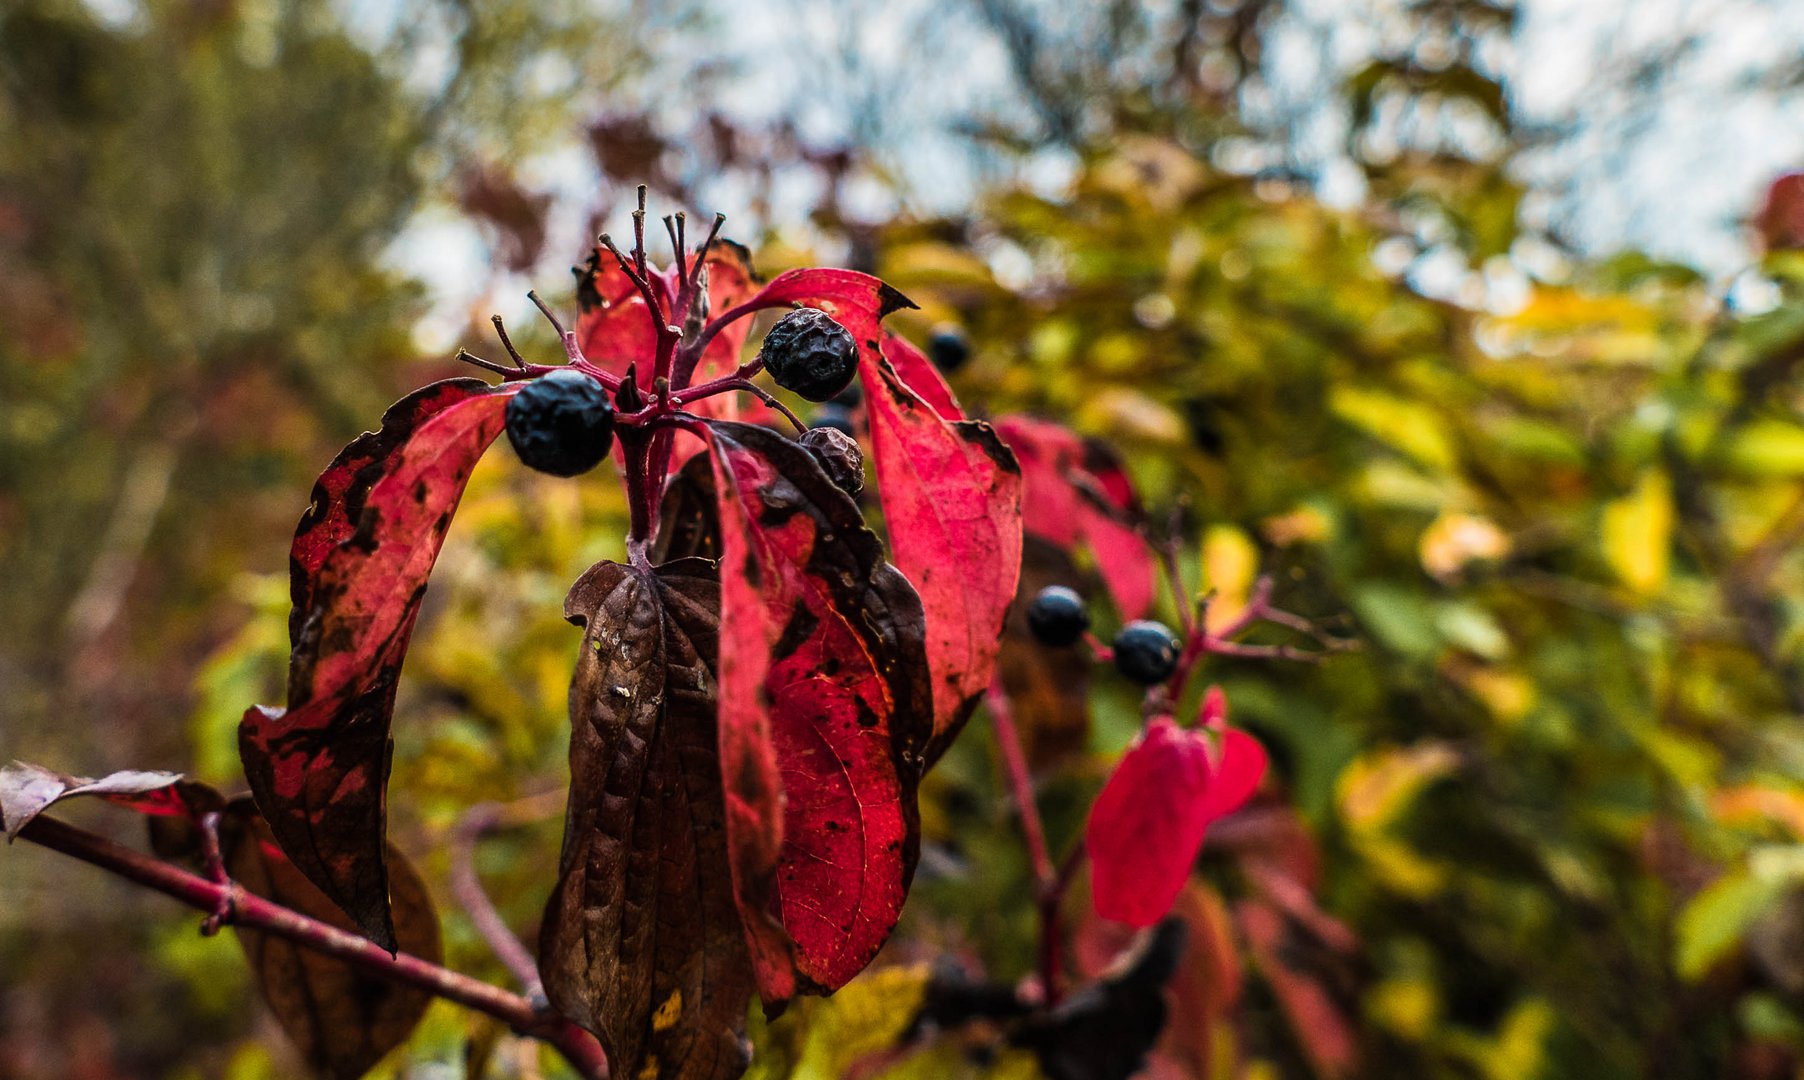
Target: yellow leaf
x,y
1230,561
1637,534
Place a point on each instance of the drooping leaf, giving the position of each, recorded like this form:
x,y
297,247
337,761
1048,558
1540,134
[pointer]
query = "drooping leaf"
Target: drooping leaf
x,y
849,711
754,594
688,522
950,490
1148,823
341,1018
641,942
1075,491
28,790
319,768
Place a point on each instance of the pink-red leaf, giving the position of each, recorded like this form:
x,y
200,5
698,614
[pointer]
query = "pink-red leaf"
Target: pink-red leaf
x,y
849,710
1148,823
319,768
1146,826
1077,492
951,494
917,371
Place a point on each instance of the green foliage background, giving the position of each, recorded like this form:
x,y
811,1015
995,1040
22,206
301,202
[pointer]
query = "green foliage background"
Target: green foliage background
x,y
1558,792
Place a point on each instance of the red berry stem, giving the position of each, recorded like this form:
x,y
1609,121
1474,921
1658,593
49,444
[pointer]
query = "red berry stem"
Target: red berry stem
x,y
1049,890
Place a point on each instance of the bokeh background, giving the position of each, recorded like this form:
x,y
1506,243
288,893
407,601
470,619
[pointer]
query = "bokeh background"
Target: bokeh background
x,y
1480,325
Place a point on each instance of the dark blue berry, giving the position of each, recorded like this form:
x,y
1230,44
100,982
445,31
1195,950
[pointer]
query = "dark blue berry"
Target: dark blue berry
x,y
1057,617
1146,652
562,423
949,349
809,353
839,457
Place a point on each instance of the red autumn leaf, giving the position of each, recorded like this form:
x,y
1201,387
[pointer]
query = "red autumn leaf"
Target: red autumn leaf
x,y
28,790
950,490
1148,823
748,751
1077,492
916,370
1146,826
319,768
838,635
641,943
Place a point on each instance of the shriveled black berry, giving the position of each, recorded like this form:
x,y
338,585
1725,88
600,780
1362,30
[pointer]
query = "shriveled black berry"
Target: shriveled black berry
x,y
811,354
840,457
561,423
1146,652
837,417
948,348
1057,616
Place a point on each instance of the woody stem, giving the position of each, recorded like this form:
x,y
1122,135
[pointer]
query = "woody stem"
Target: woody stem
x,y
254,912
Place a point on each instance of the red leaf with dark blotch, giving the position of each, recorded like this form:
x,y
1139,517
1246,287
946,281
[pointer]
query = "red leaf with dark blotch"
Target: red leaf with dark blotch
x,y
342,490
641,942
341,1018
921,376
952,505
1075,491
1148,823
1147,826
850,708
951,495
750,573
360,560
28,790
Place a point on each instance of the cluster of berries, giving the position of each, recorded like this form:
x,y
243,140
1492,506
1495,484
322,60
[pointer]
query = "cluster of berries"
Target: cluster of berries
x,y
563,422
1144,651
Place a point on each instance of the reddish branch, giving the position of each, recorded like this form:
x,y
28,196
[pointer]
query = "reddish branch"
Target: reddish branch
x,y
466,886
253,912
1050,882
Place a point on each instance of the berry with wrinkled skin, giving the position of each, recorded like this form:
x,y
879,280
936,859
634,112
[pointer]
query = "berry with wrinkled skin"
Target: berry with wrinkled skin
x,y
1146,652
562,423
839,457
811,354
1057,616
836,417
949,349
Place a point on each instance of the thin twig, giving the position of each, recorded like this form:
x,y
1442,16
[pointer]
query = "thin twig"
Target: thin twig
x,y
256,913
1033,830
466,886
